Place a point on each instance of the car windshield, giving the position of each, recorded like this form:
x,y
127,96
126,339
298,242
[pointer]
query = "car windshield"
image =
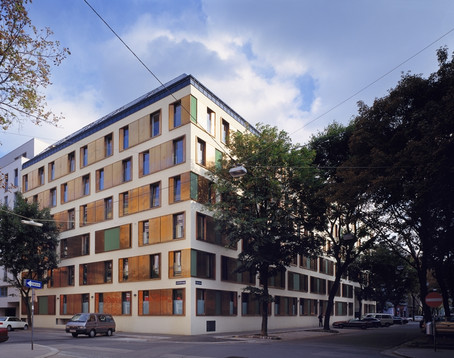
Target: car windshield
x,y
80,317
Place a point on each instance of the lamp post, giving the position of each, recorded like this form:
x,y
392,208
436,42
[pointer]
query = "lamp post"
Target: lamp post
x,y
36,224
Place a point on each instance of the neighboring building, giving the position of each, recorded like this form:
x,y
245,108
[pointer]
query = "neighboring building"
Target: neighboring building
x,y
129,191
10,171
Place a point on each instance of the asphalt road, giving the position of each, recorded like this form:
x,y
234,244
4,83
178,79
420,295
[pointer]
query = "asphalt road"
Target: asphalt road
x,y
349,343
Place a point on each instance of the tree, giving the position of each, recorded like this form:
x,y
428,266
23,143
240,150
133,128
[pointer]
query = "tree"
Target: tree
x,y
27,252
268,208
25,56
403,146
345,207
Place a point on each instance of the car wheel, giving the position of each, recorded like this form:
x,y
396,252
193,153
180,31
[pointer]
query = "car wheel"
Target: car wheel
x,y
25,327
363,326
9,328
109,332
92,333
340,326
74,335
387,324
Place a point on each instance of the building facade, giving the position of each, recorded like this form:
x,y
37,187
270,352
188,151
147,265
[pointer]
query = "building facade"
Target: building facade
x,y
128,192
10,169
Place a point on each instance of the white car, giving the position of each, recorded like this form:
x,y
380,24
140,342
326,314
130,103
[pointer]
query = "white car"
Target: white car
x,y
12,323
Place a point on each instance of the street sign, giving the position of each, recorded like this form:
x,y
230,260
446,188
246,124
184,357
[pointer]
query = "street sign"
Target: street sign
x,y
33,283
434,299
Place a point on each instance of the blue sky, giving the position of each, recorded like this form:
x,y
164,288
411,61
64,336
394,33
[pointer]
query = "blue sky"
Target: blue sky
x,y
288,63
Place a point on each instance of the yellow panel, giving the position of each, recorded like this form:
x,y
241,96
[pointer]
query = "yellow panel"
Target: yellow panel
x,y
166,154
71,190
125,236
133,133
155,159
117,169
144,128
154,229
171,116
99,149
91,148
185,186
185,110
99,211
133,200
108,176
144,265
166,228
186,263
144,198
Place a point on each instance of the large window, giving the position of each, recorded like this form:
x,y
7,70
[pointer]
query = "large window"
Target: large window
x,y
285,306
41,175
164,302
225,132
125,202
52,170
178,151
177,188
108,208
125,135
155,195
178,226
216,303
95,273
202,264
84,156
53,197
127,170
318,285
177,114
201,152
108,145
297,282
86,184
145,163
71,162
100,179
210,121
308,307
155,124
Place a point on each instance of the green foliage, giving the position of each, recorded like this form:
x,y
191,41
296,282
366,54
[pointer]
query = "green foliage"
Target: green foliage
x,y
270,206
27,251
25,53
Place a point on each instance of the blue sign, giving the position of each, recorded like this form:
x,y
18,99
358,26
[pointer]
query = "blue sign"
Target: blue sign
x,y
33,283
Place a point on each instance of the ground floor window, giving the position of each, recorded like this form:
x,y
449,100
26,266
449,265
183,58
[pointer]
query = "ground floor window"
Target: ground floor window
x,y
216,303
164,302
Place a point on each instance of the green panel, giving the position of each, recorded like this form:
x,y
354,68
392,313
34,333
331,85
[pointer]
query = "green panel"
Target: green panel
x,y
193,263
43,305
112,239
194,186
218,158
194,109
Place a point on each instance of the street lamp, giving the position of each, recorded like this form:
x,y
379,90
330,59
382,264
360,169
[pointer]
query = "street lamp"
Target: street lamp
x,y
238,171
32,223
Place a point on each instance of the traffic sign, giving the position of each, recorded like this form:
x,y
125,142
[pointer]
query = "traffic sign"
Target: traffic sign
x,y
434,299
33,283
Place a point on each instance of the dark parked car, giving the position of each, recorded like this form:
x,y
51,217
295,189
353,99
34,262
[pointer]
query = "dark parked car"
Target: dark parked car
x,y
91,324
3,335
400,320
372,322
354,323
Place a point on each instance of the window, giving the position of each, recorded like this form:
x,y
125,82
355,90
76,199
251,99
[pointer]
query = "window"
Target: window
x,y
84,214
216,303
177,114
211,117
297,282
107,271
52,170
25,180
85,247
65,192
178,226
145,232
145,163
101,179
16,177
202,264
178,156
125,202
71,162
154,195
53,197
108,208
125,269
41,175
86,184
127,169
225,132
5,181
84,155
155,266
71,219
177,188
178,301
3,291
155,124
177,263
108,145
201,152
125,135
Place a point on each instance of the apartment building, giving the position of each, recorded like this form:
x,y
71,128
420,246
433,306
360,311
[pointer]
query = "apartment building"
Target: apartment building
x,y
128,192
10,170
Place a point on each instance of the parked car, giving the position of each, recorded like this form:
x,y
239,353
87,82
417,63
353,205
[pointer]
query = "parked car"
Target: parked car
x,y
12,323
418,318
3,335
354,323
90,324
386,320
372,322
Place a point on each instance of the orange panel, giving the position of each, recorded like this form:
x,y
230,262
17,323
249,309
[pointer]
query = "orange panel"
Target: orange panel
x,y
133,133
166,228
155,230
144,128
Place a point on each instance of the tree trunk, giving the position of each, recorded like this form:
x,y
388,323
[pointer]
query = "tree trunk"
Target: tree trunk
x,y
265,300
332,293
25,295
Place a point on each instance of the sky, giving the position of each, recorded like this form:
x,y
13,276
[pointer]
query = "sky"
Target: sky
x,y
298,65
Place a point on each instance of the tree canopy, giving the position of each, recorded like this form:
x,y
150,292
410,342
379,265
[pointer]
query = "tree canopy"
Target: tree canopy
x,y
27,252
269,207
26,54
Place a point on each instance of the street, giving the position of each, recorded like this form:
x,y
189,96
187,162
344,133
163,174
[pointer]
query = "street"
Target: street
x,y
347,343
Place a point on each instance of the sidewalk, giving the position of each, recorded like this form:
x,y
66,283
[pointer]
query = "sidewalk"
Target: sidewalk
x,y
410,350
